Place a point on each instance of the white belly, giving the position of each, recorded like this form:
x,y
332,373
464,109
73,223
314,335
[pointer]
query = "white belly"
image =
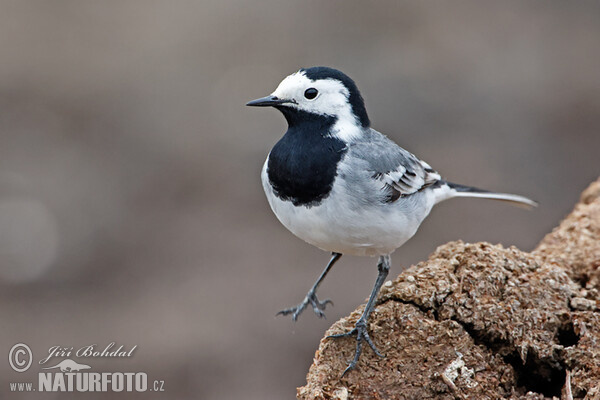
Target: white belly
x,y
339,225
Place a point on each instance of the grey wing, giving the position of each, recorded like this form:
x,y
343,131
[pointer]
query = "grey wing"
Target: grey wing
x,y
395,171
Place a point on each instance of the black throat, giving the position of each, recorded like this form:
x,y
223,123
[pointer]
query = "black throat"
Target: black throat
x,y
302,165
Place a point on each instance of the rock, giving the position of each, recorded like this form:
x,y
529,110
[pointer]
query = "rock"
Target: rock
x,y
574,244
480,321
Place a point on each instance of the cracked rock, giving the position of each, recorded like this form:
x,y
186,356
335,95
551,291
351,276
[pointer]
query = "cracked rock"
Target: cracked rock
x,y
480,321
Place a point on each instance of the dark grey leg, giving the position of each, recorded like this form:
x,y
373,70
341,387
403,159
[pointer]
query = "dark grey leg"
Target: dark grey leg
x,y
360,329
311,296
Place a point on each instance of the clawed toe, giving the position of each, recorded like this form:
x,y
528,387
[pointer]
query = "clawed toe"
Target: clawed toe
x,y
362,335
317,306
295,311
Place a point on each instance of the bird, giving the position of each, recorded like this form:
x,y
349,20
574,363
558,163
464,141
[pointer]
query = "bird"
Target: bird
x,y
342,186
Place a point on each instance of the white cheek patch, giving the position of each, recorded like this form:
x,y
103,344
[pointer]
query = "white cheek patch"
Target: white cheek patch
x,y
332,99
335,102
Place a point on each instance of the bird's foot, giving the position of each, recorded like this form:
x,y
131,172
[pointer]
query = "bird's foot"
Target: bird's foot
x,y
362,335
311,297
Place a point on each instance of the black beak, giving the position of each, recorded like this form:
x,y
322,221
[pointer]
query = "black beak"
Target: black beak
x,y
268,101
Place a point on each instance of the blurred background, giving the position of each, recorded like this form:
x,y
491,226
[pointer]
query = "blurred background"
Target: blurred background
x,y
131,208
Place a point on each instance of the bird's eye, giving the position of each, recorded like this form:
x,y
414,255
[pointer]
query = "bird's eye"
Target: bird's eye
x,y
311,93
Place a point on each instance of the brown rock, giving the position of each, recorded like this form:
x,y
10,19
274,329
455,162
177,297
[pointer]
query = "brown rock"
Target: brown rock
x,y
574,244
479,321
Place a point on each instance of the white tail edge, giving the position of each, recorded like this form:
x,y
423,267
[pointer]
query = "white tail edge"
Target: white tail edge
x,y
520,201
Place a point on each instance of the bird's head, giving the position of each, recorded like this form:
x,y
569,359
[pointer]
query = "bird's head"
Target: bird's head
x,y
318,91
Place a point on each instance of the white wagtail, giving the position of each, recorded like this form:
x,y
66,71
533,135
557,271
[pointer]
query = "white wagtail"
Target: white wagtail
x,y
343,187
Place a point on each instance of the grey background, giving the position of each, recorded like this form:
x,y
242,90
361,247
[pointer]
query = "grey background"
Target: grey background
x,y
131,208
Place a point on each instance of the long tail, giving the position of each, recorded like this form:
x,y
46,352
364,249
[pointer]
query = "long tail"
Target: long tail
x,y
457,190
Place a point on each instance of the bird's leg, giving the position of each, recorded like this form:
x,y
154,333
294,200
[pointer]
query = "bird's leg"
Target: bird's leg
x,y
311,296
360,329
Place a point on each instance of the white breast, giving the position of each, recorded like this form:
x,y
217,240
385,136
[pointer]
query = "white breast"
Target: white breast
x,y
346,225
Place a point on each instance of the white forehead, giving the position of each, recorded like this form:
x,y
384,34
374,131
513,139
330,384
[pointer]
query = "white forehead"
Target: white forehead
x,y
297,83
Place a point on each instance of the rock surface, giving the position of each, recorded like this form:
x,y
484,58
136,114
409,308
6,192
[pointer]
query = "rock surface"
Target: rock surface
x,y
479,321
